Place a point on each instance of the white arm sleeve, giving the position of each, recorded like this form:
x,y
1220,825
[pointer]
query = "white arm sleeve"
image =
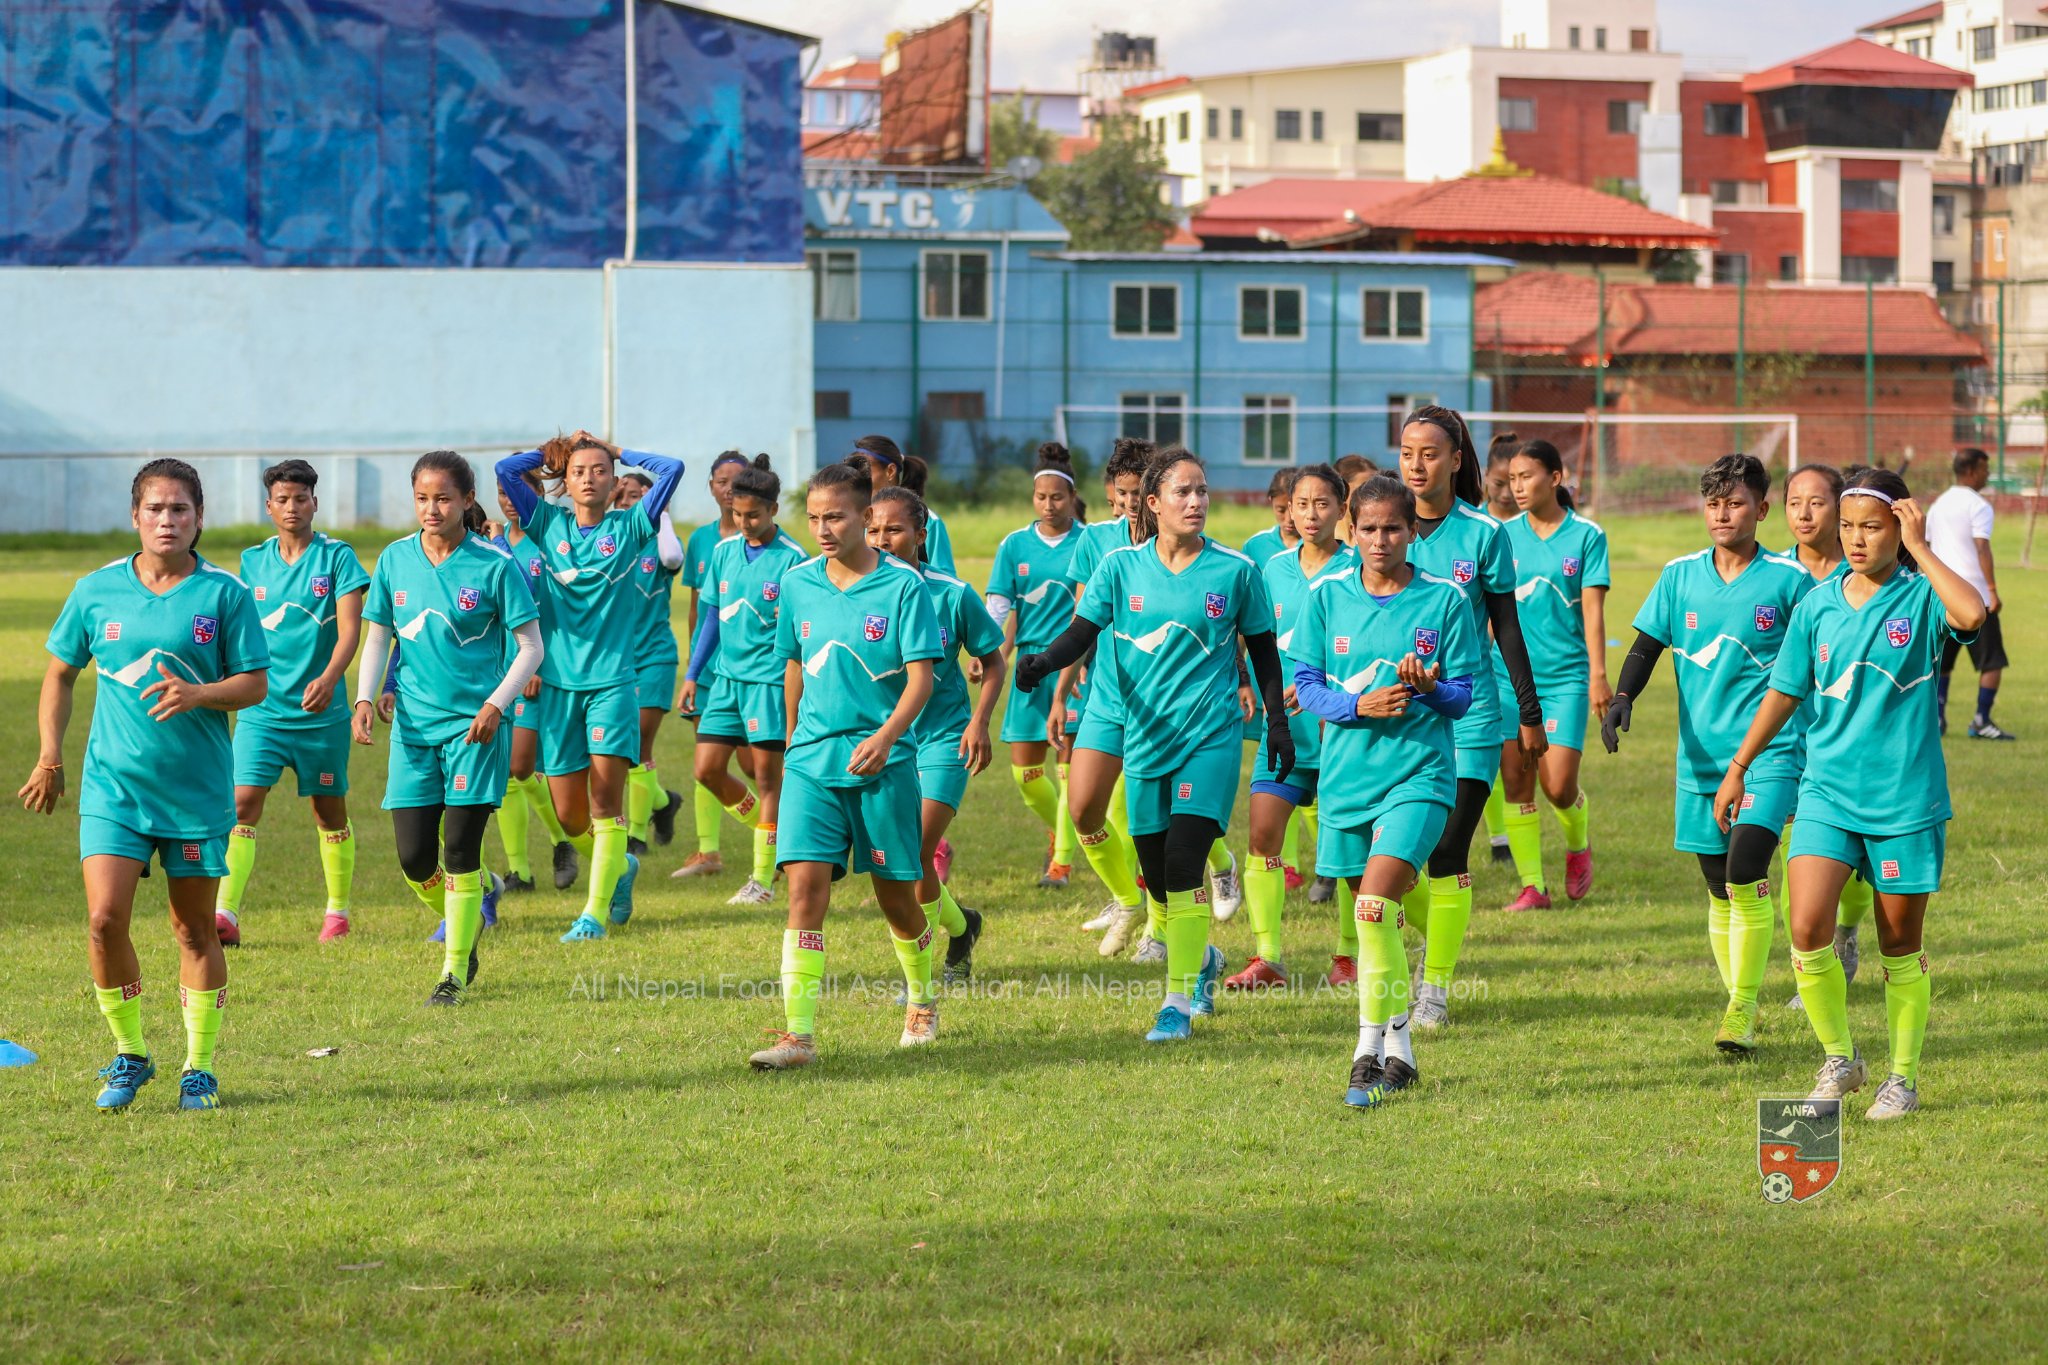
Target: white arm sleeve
x,y
525,663
999,607
669,547
370,663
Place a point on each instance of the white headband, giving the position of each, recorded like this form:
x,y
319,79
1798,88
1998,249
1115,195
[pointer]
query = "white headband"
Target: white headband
x,y
1056,473
1883,497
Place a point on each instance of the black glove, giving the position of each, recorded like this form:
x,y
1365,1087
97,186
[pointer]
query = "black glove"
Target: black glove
x,y
1032,669
1615,723
1279,749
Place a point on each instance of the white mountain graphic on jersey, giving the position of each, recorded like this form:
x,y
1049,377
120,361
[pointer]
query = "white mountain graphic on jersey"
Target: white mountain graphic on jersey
x,y
1151,640
574,572
276,618
1839,689
1037,594
732,609
1285,640
133,674
411,629
1359,681
1524,591
816,663
1712,651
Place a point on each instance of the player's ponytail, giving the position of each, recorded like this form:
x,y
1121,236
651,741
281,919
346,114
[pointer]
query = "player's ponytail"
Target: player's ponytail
x,y
757,480
1465,482
1545,454
1888,488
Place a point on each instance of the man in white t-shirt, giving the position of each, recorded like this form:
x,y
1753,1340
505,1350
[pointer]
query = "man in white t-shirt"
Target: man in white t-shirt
x,y
1959,533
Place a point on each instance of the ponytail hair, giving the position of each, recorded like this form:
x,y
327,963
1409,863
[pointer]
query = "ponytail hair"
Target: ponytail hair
x,y
1501,448
915,473
1891,488
1465,484
1128,455
555,456
1161,464
756,480
1383,488
1545,454
920,515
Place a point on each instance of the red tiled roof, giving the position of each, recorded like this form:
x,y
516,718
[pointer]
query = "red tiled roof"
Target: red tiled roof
x,y
1919,14
1291,205
862,73
1527,209
1858,61
1138,92
1555,313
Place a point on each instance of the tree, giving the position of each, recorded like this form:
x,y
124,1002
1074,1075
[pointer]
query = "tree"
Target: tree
x,y
1013,131
1108,198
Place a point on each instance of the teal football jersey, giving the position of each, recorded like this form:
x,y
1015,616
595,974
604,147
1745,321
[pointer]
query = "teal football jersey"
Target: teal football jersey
x,y
697,554
938,543
533,568
653,587
1469,550
296,603
964,623
1724,637
597,617
453,621
853,645
1551,578
1263,545
1037,576
1873,749
1104,696
748,599
1288,588
1173,638
1357,644
172,778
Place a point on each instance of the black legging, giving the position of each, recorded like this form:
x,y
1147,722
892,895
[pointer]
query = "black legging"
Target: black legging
x,y
1453,853
1177,857
1747,860
420,830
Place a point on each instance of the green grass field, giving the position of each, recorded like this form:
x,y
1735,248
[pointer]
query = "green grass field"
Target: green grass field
x,y
560,1172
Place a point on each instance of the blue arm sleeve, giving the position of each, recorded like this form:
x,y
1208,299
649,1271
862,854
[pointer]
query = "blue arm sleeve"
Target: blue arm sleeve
x,y
1452,697
1318,698
391,670
704,645
668,476
511,477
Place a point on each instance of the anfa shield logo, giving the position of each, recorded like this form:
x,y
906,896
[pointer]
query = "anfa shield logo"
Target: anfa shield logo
x,y
1464,570
1899,631
467,598
770,591
204,628
323,584
945,642
1571,566
875,628
1766,618
1425,642
533,567
607,546
1215,604
647,563
1798,1147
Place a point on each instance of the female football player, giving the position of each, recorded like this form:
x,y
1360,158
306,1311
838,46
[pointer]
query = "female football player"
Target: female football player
x,y
706,860
651,808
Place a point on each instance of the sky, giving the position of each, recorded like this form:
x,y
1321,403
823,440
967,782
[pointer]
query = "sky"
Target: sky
x,y
1040,42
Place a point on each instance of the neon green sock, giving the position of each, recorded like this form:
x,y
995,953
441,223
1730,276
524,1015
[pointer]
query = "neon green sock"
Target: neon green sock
x,y
1382,961
1290,842
1347,931
1573,818
241,862
1311,825
1908,997
1415,907
764,854
338,867
607,865
542,802
1450,912
945,912
803,978
1525,841
122,1006
915,957
1105,853
1120,825
1219,857
429,891
1265,888
1155,918
463,907
705,807
639,802
203,1010
513,830
1719,922
1825,993
1749,939
1187,938
1064,835
746,810
654,786
1496,812
1040,796
1857,898
585,844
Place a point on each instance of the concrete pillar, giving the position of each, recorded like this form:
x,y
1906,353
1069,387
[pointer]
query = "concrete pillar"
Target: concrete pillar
x,y
1820,199
1916,223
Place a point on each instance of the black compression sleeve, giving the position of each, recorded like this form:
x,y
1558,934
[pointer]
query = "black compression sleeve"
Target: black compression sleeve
x,y
1264,652
1639,665
1514,652
1073,643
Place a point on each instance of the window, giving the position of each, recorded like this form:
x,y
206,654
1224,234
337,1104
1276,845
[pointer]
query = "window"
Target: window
x,y
1731,267
1287,125
1152,416
967,405
835,285
1984,42
1998,244
1945,277
1211,116
1212,189
2026,33
1788,269
1735,193
1402,404
1945,215
1145,310
1269,313
1315,125
1396,315
1574,31
1920,47
956,286
1237,125
1379,127
1727,120
1268,429
1186,125
1639,40
1517,115
1870,270
1600,40
832,405
1625,116
1870,196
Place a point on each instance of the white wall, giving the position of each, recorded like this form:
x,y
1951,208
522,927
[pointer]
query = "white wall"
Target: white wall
x,y
1548,23
107,366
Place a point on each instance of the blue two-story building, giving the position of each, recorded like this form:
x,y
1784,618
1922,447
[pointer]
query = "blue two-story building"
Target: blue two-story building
x,y
951,316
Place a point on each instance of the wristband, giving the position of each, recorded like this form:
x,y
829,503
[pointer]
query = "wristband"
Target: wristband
x,y
1736,762
50,767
